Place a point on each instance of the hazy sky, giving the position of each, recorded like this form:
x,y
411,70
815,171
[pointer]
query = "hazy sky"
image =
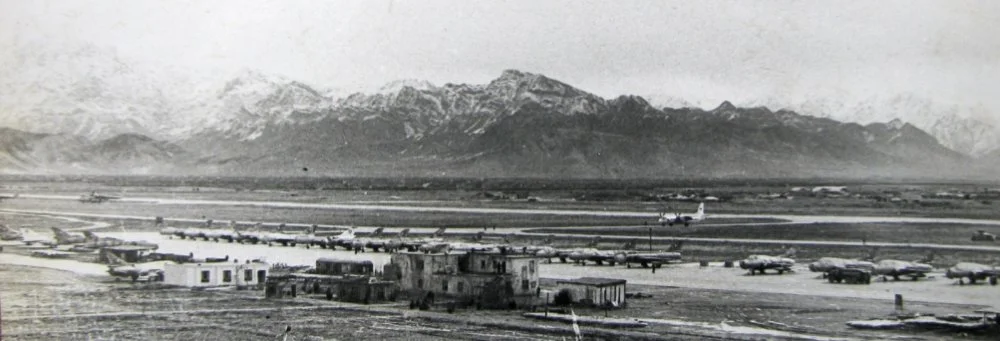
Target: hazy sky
x,y
700,51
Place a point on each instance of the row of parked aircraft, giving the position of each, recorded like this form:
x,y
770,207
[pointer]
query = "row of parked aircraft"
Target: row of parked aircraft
x,y
861,271
378,241
85,241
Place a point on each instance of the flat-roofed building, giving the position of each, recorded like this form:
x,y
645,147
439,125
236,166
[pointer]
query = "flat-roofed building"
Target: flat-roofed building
x,y
216,274
592,290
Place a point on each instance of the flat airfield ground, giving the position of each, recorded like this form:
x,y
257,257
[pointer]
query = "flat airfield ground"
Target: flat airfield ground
x,y
737,300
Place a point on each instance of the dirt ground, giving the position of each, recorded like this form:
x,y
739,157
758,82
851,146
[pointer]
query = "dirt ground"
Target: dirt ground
x,y
46,304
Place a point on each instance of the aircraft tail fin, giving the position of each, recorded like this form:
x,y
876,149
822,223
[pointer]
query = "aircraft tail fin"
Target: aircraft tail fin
x,y
404,232
208,223
114,259
312,229
701,210
377,232
60,234
90,236
479,235
439,232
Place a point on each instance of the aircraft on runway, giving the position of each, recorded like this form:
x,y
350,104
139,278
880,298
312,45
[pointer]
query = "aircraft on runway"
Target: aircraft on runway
x,y
5,197
96,198
666,219
599,257
762,263
119,268
973,272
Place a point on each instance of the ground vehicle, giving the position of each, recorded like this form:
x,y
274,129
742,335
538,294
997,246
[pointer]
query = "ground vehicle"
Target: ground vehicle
x,y
983,236
849,275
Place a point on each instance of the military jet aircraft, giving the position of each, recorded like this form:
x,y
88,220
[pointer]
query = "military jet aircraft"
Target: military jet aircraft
x,y
666,219
973,272
278,237
66,238
899,268
119,268
5,196
95,198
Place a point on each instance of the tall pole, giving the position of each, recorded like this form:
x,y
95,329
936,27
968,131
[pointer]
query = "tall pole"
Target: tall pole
x,y
650,238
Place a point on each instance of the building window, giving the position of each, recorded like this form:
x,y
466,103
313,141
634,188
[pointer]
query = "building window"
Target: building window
x,y
227,276
524,284
420,265
531,267
205,276
248,275
461,287
482,265
444,285
533,284
420,283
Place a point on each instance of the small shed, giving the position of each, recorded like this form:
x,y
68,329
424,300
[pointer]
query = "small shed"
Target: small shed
x,y
592,290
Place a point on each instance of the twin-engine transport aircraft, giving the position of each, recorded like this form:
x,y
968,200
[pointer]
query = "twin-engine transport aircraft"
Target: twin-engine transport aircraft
x,y
686,219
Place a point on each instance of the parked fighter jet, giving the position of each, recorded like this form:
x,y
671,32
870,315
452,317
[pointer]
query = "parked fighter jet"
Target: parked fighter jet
x,y
5,196
278,237
66,238
974,272
761,263
310,239
119,268
899,268
413,243
652,258
96,198
666,219
344,239
93,241
599,257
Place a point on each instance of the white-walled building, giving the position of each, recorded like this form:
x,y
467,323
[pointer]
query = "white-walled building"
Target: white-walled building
x,y
216,274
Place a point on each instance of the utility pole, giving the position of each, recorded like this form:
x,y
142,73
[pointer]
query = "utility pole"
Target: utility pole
x,y
650,238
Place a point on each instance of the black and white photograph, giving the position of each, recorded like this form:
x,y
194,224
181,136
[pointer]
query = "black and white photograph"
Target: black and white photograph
x,y
311,170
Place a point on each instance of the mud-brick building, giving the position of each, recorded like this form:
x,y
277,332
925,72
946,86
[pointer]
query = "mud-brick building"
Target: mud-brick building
x,y
607,292
345,280
367,290
488,280
341,267
248,274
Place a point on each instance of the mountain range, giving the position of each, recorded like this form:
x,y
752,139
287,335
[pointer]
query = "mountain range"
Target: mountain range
x,y
115,118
